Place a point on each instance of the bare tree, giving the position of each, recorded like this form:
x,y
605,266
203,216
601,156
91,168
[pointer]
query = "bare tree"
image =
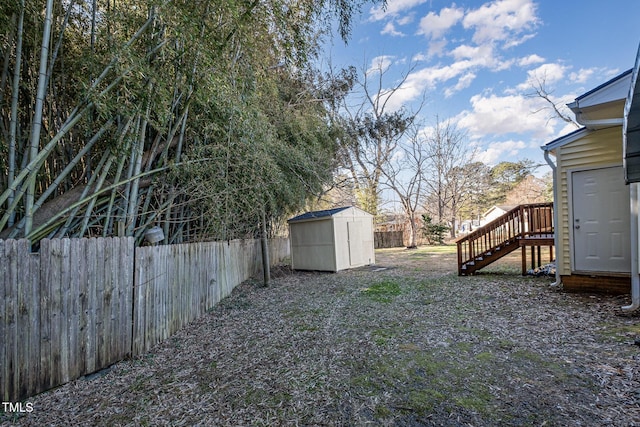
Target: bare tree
x,y
446,177
530,189
541,90
404,176
374,129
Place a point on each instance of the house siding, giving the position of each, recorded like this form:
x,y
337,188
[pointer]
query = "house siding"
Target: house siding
x,y
601,148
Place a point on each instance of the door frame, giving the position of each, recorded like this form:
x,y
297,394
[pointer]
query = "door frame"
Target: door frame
x,y
570,209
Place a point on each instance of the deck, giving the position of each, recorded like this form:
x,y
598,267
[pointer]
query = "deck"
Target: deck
x,y
526,226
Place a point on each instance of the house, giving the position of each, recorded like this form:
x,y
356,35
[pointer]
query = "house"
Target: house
x,y
332,239
596,211
494,212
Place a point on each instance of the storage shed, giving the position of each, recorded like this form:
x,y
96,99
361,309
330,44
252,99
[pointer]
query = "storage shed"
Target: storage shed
x,y
332,239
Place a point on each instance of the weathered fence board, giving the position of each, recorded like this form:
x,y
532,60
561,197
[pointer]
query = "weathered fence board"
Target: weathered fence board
x,y
61,311
388,239
80,305
176,284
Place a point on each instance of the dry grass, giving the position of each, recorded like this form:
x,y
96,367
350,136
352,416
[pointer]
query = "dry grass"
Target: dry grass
x,y
410,345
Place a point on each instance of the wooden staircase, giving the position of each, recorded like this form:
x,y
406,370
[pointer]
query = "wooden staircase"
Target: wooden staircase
x,y
524,226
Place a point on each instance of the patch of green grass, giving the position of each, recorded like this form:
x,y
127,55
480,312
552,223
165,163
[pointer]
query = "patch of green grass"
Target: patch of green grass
x,y
382,336
384,291
424,399
382,411
293,312
438,249
620,333
485,356
303,327
447,379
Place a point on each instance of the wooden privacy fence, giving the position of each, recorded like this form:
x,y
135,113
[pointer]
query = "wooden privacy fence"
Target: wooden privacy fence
x,y
80,305
388,239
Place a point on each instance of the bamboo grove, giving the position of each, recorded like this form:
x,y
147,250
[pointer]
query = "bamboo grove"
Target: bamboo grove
x,y
196,116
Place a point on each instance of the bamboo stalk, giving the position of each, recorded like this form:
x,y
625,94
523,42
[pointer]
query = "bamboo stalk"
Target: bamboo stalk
x,y
56,183
63,230
104,190
139,149
38,110
121,162
103,176
14,112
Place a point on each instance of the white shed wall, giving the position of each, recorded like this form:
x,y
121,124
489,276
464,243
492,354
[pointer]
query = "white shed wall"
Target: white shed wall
x,y
312,245
354,239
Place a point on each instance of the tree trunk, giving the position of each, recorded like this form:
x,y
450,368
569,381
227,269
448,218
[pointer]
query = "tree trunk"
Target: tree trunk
x,y
413,232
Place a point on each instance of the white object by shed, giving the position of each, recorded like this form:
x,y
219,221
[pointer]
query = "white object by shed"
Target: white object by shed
x,y
332,239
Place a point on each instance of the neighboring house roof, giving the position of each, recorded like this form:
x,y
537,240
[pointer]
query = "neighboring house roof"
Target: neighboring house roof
x,y
503,208
318,214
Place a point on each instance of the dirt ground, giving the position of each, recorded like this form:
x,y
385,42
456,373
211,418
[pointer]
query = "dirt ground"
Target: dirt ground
x,y
403,343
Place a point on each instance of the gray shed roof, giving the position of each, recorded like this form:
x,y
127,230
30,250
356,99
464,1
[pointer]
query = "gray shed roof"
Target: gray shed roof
x,y
318,214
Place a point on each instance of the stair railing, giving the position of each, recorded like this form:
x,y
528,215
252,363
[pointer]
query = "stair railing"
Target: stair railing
x,y
520,222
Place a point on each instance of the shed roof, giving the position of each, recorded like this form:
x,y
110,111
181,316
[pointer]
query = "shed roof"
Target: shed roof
x,y
318,214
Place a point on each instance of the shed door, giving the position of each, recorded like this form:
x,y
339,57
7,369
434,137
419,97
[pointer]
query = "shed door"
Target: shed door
x,y
354,231
600,221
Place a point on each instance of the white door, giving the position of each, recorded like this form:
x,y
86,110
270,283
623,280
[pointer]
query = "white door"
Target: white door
x,y
601,221
356,254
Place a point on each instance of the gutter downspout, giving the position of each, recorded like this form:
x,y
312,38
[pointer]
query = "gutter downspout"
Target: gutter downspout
x,y
558,282
634,188
635,274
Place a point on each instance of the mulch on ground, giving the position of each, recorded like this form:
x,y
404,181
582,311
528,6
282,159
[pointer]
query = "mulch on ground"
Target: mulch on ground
x,y
404,343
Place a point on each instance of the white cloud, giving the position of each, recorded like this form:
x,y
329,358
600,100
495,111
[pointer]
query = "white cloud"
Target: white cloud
x,y
436,25
393,8
546,74
502,115
530,60
496,151
436,48
429,78
597,74
380,64
390,29
481,56
419,57
463,83
582,75
423,80
406,19
501,20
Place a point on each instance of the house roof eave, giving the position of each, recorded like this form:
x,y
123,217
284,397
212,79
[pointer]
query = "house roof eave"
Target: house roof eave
x,y
566,139
611,90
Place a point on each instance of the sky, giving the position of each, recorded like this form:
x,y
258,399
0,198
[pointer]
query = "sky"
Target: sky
x,y
475,62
